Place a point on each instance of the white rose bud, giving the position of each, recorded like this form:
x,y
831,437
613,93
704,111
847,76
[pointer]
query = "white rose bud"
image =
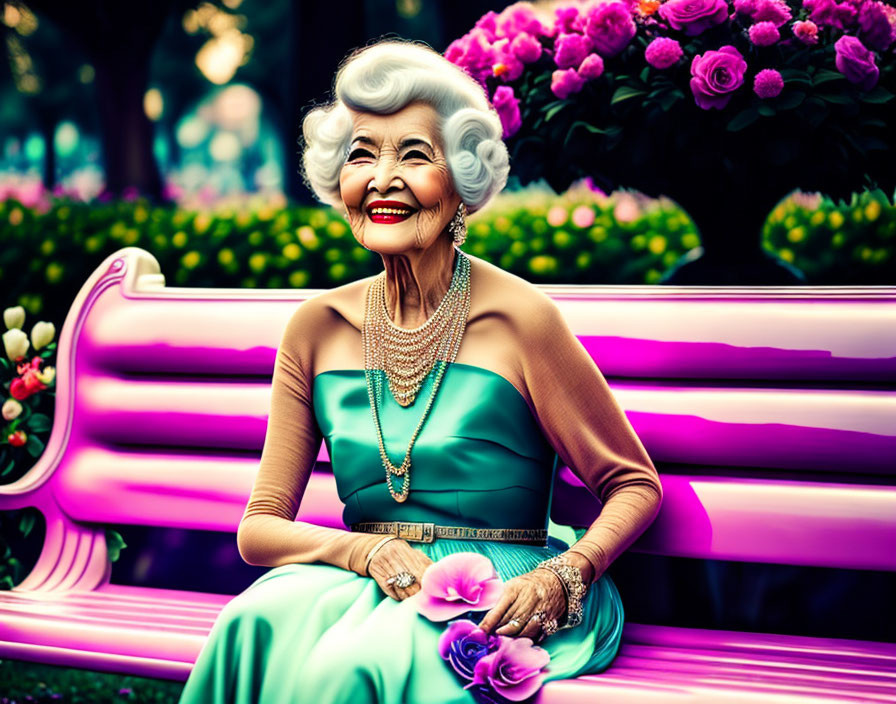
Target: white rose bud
x,y
11,409
14,317
16,343
42,334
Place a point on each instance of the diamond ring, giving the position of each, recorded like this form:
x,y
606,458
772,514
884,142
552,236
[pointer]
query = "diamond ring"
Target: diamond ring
x,y
513,622
538,616
402,580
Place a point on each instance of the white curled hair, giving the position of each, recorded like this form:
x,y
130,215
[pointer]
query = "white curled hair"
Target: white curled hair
x,y
385,77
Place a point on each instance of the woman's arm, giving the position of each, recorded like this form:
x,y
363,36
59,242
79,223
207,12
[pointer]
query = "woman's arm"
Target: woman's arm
x,y
268,533
589,430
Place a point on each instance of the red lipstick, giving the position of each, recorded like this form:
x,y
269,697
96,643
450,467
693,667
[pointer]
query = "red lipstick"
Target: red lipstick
x,y
389,211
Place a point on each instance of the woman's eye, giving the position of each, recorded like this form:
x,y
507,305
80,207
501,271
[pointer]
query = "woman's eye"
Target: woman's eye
x,y
359,154
416,154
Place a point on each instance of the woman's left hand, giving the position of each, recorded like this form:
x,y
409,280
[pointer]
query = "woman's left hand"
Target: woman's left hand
x,y
525,595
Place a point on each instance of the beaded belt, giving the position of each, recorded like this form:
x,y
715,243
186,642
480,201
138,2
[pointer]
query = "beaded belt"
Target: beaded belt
x,y
427,532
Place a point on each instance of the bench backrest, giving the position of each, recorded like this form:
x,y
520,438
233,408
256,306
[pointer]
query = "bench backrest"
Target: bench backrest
x,y
770,413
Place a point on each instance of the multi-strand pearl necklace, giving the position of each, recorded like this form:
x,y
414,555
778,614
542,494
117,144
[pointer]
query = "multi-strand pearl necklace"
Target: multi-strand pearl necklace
x,y
406,356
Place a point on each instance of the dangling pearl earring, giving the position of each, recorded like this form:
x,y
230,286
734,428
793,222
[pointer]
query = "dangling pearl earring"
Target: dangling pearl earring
x,y
458,225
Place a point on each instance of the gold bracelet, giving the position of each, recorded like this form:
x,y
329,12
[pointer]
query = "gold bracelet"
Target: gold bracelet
x,y
374,549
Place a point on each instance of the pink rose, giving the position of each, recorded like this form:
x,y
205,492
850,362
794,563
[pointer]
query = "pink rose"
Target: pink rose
x,y
806,31
694,16
716,75
610,27
519,17
566,82
460,582
592,66
473,52
831,13
764,34
515,670
570,49
508,107
775,11
663,52
526,48
875,30
506,65
856,62
568,20
768,83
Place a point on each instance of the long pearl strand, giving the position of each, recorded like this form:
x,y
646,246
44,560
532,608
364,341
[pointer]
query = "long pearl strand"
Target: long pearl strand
x,y
406,356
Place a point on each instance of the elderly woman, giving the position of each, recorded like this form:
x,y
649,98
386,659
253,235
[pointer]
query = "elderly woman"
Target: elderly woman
x,y
446,390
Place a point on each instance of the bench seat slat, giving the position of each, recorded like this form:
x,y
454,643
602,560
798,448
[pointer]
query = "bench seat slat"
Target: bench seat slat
x,y
790,428
715,664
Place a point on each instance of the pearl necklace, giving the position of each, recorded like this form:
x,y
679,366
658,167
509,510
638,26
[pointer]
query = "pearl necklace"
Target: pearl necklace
x,y
407,356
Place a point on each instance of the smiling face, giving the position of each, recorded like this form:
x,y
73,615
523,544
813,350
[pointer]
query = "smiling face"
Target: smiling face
x,y
395,184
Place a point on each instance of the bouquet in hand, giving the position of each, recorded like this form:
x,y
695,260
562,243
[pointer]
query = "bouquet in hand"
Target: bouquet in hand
x,y
461,588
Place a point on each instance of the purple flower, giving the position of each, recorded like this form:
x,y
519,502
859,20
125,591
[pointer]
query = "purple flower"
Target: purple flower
x,y
514,670
463,644
125,691
856,62
806,31
716,75
488,25
570,49
526,48
774,11
663,52
768,83
564,82
508,107
610,27
592,66
875,29
764,34
694,16
460,582
830,13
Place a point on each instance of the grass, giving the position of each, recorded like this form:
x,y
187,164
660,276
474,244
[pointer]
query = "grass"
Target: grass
x,y
22,682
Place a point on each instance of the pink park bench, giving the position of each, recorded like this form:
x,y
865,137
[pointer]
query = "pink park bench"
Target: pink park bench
x,y
755,403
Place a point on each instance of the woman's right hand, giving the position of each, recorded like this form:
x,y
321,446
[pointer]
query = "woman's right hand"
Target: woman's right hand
x,y
398,556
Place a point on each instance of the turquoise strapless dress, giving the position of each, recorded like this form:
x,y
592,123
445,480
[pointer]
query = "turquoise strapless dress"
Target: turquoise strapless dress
x,y
320,634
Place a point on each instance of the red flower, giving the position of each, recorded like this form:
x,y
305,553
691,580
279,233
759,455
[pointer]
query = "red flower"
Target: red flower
x,y
17,439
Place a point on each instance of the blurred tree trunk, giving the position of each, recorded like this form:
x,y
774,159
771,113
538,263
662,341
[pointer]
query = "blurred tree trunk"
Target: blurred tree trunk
x,y
324,32
118,38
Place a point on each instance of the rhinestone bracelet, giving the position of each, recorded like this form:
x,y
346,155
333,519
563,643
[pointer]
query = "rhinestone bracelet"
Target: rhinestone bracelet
x,y
573,585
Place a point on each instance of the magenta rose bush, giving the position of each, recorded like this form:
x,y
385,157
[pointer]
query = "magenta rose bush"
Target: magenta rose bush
x,y
649,94
497,669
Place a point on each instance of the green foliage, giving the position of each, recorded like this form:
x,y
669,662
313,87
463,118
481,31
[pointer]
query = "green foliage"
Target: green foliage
x,y
837,243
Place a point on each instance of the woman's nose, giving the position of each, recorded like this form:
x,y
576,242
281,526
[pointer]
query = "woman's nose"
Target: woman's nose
x,y
384,176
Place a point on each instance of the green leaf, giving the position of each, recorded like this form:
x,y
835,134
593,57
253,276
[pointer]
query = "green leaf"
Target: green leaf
x,y
789,100
38,423
5,363
825,75
34,445
554,110
765,110
624,93
644,74
8,468
837,98
26,523
793,75
878,94
114,544
743,119
591,128
669,99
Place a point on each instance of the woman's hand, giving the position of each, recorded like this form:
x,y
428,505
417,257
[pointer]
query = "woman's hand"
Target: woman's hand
x,y
394,557
538,590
